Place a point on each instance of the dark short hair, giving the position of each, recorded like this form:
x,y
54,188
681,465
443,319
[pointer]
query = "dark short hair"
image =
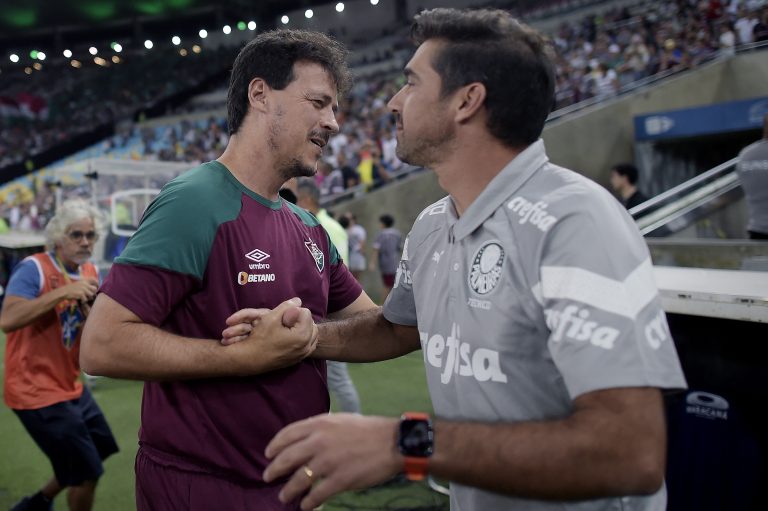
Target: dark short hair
x,y
271,56
307,187
512,60
387,220
287,194
627,170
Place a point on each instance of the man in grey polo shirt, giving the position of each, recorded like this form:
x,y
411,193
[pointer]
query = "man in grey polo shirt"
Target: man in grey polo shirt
x,y
529,291
753,174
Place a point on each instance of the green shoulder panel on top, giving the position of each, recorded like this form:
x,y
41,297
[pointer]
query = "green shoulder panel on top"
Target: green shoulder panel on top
x,y
178,228
311,220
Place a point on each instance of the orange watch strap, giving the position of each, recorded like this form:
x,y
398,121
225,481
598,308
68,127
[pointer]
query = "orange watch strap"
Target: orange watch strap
x,y
415,468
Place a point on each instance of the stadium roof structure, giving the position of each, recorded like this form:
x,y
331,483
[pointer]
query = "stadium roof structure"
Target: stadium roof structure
x,y
25,22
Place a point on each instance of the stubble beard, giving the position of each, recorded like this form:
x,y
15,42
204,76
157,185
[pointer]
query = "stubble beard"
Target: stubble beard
x,y
426,150
295,168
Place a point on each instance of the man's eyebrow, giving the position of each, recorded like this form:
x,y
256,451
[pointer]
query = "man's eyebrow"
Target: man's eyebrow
x,y
409,73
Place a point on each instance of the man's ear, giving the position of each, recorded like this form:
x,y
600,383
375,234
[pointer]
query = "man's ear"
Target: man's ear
x,y
471,99
257,94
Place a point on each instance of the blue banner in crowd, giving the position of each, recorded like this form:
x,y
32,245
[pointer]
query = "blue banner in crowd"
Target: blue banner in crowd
x,y
726,117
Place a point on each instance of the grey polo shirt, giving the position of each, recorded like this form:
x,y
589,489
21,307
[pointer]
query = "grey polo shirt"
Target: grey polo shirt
x,y
753,174
542,291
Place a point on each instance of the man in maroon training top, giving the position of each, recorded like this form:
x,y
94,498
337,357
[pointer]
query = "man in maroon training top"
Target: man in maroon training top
x,y
216,240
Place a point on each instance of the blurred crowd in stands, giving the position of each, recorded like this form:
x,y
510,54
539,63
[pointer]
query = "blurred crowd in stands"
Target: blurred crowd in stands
x,y
596,56
60,101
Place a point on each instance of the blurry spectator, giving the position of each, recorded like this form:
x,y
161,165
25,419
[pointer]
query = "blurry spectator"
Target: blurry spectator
x,y
357,236
386,252
760,31
753,174
745,23
624,182
606,82
329,180
727,39
388,146
351,178
47,301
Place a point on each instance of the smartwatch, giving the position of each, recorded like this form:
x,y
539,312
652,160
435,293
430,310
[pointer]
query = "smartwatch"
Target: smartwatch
x,y
415,441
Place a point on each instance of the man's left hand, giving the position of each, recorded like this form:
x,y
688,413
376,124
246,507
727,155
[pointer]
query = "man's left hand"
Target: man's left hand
x,y
327,454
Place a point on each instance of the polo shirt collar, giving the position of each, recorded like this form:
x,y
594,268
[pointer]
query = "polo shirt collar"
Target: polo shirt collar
x,y
506,182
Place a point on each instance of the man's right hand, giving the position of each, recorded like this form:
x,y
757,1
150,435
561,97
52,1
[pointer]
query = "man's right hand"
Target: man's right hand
x,y
83,290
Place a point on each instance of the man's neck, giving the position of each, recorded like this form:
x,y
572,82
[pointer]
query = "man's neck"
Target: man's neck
x,y
68,266
464,176
252,167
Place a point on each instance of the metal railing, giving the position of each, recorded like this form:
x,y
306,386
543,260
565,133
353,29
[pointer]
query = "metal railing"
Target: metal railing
x,y
686,198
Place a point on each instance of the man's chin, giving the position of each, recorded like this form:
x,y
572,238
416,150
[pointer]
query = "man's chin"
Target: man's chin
x,y
299,169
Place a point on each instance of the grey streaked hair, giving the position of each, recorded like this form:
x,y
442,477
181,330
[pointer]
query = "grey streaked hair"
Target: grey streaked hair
x,y
69,212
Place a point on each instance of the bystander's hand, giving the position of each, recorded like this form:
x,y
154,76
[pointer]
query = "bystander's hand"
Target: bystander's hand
x,y
83,290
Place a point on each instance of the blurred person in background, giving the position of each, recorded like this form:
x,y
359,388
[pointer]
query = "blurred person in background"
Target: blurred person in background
x,y
47,300
624,178
753,174
386,252
357,236
330,180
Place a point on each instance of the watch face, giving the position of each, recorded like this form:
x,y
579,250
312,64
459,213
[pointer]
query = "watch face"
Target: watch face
x,y
415,437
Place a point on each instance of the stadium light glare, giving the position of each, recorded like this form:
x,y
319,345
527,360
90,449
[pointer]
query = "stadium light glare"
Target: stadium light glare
x,y
119,47
374,2
241,25
251,25
284,19
227,29
100,61
67,53
33,54
203,33
340,7
309,13
115,59
37,66
28,70
14,58
148,44
92,50
76,64
196,49
40,55
183,52
176,40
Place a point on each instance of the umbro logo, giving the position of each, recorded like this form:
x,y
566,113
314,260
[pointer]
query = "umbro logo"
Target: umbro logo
x,y
257,255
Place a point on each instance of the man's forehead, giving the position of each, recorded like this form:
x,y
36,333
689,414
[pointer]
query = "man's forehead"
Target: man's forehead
x,y
422,58
314,78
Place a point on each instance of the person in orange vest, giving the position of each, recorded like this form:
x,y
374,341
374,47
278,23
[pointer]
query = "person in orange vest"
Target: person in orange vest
x,y
47,300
